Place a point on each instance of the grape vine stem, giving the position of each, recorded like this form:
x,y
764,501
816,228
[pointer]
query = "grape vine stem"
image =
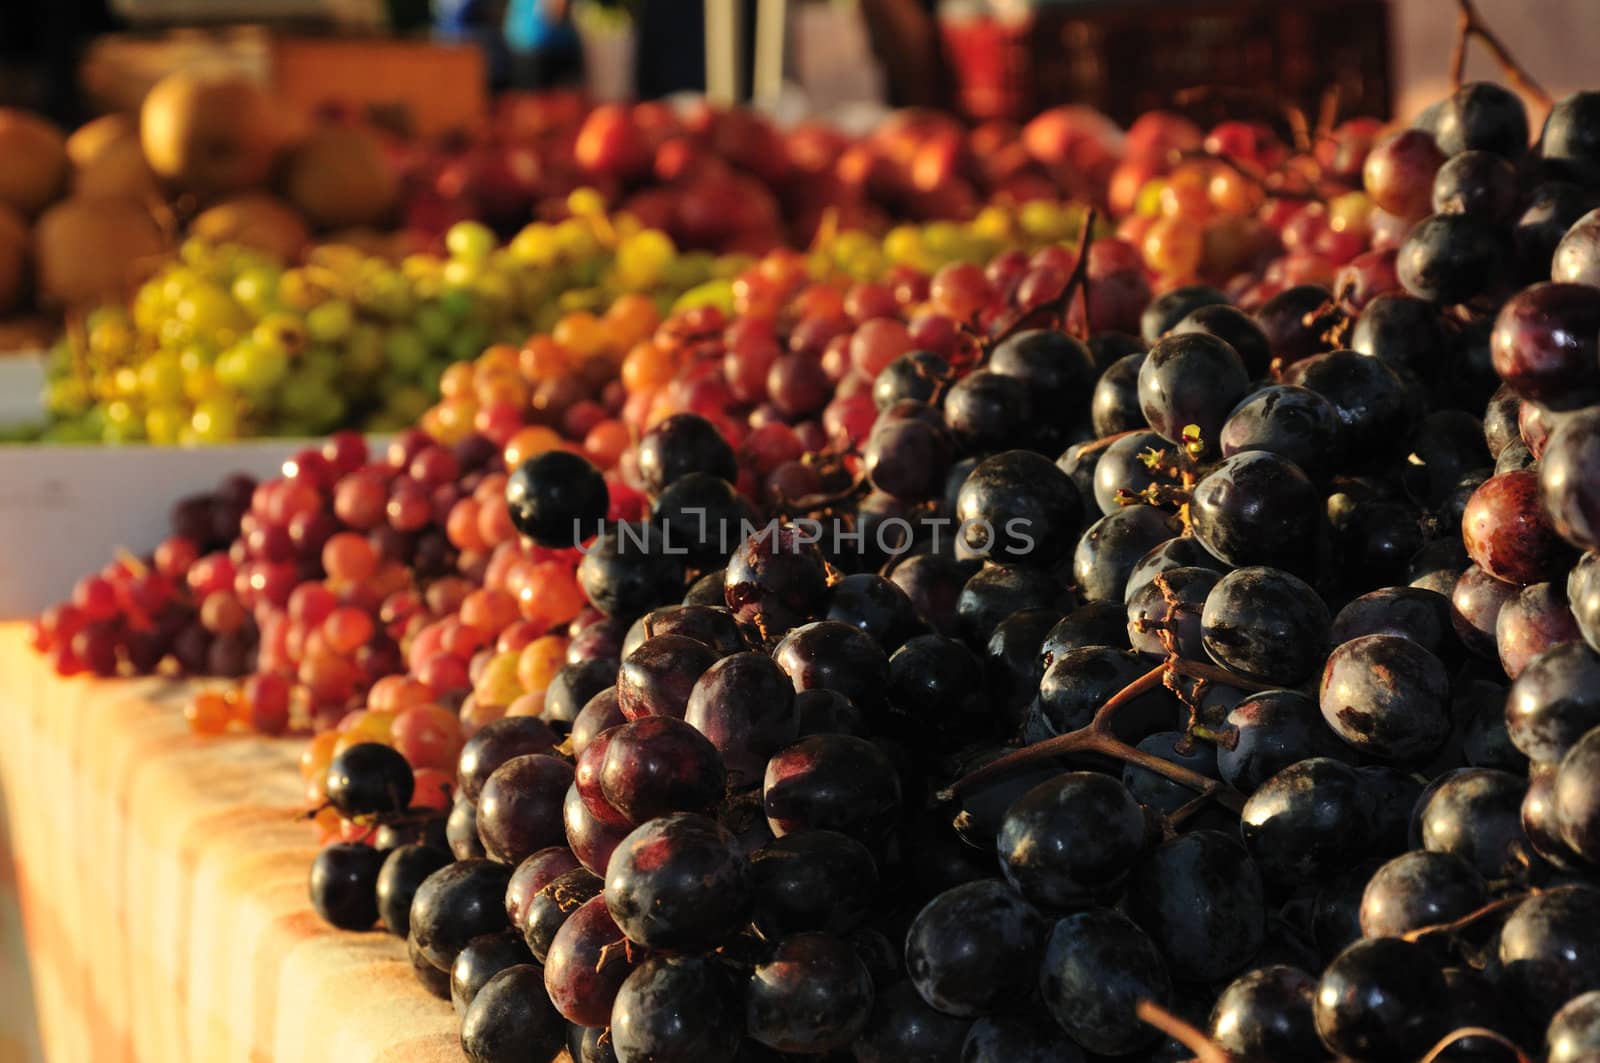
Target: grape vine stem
x,y
1461,1033
1470,918
1468,25
1096,737
1205,1051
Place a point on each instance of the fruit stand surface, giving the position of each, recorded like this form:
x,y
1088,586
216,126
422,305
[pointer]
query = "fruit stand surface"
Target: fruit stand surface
x,y
162,883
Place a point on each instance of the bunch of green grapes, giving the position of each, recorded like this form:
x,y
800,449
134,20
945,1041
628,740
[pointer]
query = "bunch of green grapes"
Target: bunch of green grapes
x,y
225,344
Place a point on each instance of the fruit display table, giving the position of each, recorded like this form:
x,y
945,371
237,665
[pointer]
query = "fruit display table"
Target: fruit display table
x,y
162,883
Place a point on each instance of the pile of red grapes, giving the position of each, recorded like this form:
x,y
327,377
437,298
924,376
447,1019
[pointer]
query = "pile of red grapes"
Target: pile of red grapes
x,y
1003,666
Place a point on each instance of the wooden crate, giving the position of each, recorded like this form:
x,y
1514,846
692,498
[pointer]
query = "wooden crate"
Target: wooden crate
x,y
1129,57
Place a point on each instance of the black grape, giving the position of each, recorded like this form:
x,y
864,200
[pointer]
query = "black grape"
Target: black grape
x,y
973,948
1070,840
1098,966
1267,625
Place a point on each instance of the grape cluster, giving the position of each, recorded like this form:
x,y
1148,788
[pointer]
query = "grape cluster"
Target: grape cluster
x,y
959,665
226,342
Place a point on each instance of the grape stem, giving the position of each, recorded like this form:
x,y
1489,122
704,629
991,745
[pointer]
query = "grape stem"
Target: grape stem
x,y
1470,24
1463,1032
1057,310
1096,737
1470,918
1205,1051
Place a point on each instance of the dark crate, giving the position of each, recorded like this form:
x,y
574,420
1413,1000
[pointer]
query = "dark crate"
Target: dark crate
x,y
1125,58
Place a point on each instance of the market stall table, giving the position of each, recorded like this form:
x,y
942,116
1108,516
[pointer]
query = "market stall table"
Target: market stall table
x,y
162,884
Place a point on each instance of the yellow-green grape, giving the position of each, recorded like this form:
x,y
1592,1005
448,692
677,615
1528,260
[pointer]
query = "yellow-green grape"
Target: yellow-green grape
x,y
163,424
252,368
404,351
458,273
903,244
432,324
256,290
575,240
149,307
1148,201
407,404
283,331
196,358
641,258
161,378
387,294
67,397
215,420
432,370
467,346
363,352
330,322
718,293
535,245
109,332
297,291
320,363
469,241
456,302
123,424
493,292
124,382
200,384
586,203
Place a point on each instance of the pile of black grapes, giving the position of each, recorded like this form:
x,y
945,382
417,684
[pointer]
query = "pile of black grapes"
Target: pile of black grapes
x,y
1336,562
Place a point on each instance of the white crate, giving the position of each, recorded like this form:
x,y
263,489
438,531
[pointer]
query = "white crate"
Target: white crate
x,y
64,510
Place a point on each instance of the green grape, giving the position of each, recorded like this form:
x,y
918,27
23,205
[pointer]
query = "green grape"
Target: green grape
x,y
468,343
641,259
175,332
535,245
176,282
163,424
384,423
124,382
255,290
428,377
321,363
575,240
404,351
728,267
386,294
252,368
299,395
586,203
716,293
286,332
469,241
493,293
200,385
67,397
434,323
363,352
123,424
75,431
460,273
196,358
408,403
149,307
161,378
109,332
297,291
330,322
330,412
